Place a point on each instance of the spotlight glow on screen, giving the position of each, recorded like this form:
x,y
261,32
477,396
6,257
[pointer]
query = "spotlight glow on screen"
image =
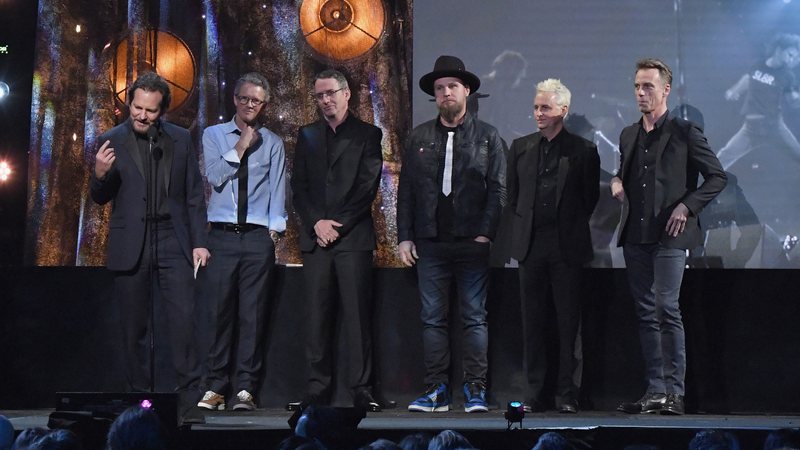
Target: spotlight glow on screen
x,y
4,90
5,171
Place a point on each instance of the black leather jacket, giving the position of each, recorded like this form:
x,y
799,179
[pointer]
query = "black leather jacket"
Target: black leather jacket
x,y
479,181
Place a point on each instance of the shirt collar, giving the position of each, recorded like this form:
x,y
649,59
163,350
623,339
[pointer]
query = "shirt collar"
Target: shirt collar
x,y
543,140
659,123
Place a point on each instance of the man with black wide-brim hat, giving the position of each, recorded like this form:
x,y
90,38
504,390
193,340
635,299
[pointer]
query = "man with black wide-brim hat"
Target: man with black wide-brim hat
x,y
452,189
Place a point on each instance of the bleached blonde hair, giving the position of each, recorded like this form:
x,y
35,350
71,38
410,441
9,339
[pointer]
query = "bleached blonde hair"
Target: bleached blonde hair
x,y
563,96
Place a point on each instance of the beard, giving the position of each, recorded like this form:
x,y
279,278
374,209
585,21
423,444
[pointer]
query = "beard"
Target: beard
x,y
451,111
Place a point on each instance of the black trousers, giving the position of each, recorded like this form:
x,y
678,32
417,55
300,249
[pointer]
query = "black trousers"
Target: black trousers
x,y
543,271
235,286
338,288
174,287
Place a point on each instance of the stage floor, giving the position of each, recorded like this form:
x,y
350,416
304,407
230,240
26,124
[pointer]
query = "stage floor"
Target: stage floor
x,y
276,419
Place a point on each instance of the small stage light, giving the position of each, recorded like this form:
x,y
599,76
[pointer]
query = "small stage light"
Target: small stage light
x,y
5,171
146,404
515,412
4,91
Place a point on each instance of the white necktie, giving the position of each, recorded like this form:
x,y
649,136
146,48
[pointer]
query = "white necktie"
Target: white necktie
x,y
447,179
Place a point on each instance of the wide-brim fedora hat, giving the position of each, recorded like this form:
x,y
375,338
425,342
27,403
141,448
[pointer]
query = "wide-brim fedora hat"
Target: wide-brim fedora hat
x,y
449,66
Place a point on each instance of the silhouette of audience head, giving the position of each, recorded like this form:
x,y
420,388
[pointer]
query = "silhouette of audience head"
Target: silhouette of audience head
x,y
553,441
449,440
415,441
27,437
381,444
333,427
785,438
6,433
714,440
42,439
137,429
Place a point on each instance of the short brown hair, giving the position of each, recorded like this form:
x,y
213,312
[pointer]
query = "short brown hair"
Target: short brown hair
x,y
653,63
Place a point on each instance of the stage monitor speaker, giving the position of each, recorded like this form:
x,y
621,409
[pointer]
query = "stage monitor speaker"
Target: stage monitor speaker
x,y
109,405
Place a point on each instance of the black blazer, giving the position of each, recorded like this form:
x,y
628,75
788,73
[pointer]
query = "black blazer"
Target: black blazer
x,y
345,191
124,185
577,192
682,153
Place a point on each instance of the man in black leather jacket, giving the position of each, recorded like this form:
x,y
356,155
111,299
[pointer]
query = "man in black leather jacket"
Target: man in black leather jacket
x,y
452,189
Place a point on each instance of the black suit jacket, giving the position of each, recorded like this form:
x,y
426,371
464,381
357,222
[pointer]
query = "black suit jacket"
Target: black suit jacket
x,y
577,192
124,185
343,192
682,153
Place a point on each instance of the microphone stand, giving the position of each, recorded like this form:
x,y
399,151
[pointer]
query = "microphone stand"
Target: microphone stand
x,y
152,222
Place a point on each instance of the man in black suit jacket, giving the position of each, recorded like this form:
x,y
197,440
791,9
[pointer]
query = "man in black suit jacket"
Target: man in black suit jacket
x,y
660,160
336,172
553,187
148,170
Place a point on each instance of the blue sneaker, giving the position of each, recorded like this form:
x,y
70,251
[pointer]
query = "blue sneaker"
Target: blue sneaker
x,y
475,398
435,399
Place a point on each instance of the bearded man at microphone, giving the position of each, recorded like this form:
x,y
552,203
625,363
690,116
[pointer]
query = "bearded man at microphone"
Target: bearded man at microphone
x,y
148,169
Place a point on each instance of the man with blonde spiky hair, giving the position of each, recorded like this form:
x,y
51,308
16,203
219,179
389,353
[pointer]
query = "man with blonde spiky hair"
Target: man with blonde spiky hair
x,y
553,187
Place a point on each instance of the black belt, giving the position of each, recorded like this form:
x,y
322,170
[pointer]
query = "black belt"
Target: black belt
x,y
236,227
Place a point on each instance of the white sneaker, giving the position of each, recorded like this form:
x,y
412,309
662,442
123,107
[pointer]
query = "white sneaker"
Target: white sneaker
x,y
212,401
244,401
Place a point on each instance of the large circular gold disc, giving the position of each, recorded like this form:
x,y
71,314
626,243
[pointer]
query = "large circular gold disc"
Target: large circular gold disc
x,y
342,29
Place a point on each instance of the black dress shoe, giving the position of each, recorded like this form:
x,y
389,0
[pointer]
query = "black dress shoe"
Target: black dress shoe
x,y
534,406
673,405
650,403
299,405
364,400
569,406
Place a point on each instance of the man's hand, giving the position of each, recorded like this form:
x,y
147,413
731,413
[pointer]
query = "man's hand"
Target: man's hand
x,y
617,191
104,160
325,231
275,236
202,255
677,220
408,253
247,138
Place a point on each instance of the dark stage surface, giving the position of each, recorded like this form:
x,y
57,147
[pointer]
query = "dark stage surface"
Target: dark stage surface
x,y
600,430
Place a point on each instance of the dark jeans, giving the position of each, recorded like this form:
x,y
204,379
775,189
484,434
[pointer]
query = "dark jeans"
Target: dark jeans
x,y
543,271
655,274
235,286
439,262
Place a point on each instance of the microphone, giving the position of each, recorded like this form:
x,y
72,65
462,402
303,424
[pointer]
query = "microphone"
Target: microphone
x,y
152,136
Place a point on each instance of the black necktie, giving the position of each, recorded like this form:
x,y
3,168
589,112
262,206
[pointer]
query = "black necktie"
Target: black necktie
x,y
241,214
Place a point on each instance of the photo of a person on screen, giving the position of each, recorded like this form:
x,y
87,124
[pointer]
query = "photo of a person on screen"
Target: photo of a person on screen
x,y
763,88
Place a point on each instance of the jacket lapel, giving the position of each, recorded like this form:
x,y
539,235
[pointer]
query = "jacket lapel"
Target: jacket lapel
x,y
168,147
531,157
627,144
132,147
563,170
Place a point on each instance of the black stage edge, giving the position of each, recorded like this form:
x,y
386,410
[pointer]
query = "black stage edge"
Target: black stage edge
x,y
264,429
